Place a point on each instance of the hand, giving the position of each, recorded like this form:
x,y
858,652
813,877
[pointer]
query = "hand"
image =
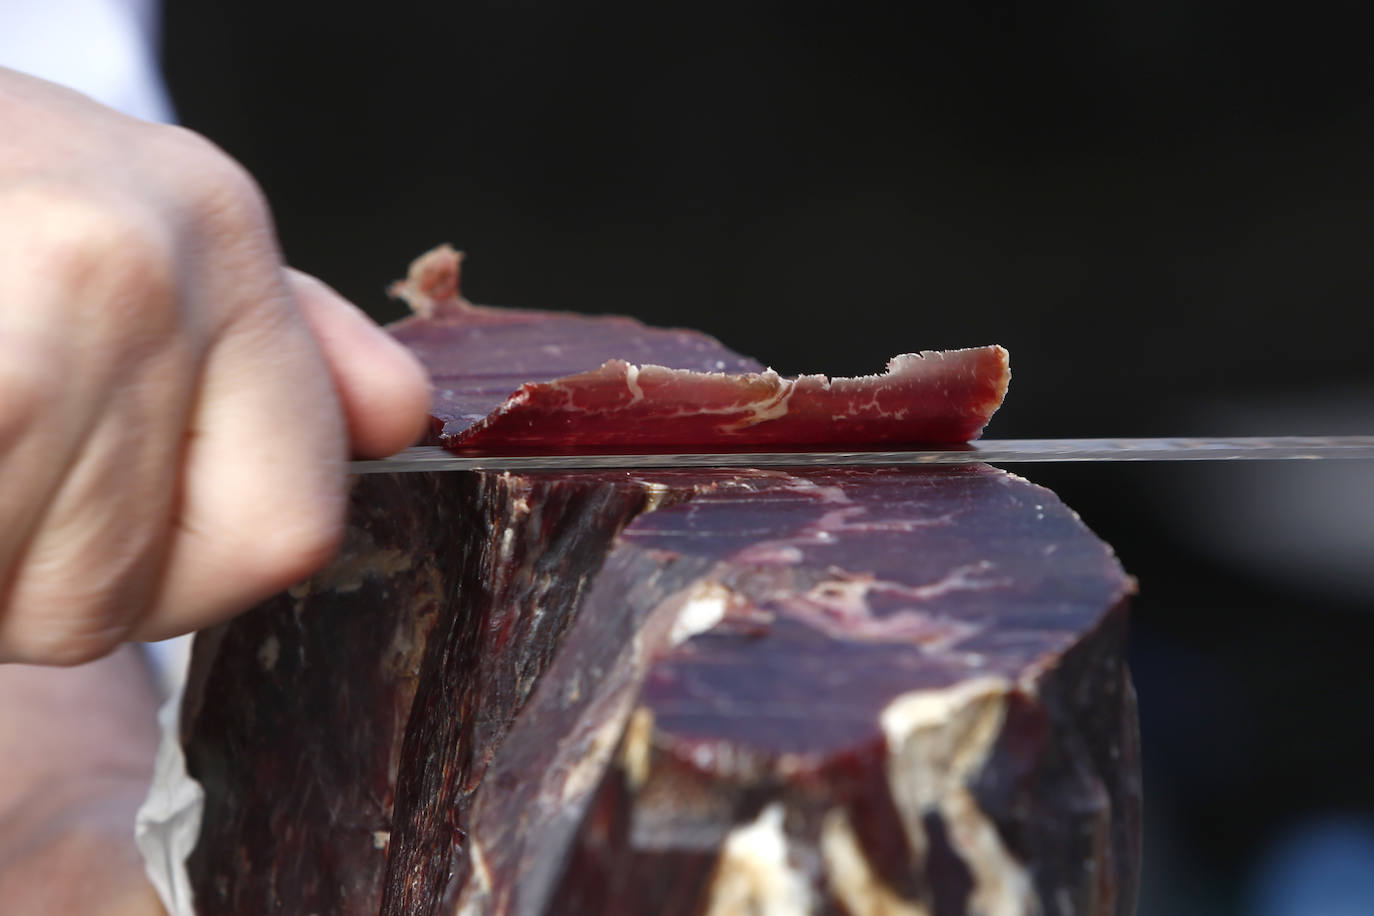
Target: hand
x,y
176,406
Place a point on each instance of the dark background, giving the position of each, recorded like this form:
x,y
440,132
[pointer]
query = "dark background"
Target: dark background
x,y
1163,209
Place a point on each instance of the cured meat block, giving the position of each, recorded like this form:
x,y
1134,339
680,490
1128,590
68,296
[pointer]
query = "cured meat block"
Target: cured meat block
x,y
658,693
836,691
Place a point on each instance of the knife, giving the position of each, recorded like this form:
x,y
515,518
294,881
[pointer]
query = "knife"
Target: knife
x,y
995,451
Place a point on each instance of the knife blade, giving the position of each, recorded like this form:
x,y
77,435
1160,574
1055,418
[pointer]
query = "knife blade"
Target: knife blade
x,y
994,451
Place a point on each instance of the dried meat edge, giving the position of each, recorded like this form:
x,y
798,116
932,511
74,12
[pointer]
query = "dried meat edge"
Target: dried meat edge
x,y
432,290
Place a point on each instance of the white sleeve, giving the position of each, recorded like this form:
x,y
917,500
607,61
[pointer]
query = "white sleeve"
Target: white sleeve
x,y
106,49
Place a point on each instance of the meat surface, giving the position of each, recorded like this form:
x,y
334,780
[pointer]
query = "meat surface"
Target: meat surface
x,y
861,691
706,693
521,379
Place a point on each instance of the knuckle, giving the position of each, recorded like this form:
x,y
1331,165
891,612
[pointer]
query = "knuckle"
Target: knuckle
x,y
219,191
28,383
99,249
135,260
73,227
133,282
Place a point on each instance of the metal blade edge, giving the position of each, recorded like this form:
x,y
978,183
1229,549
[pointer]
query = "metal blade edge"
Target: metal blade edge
x,y
992,451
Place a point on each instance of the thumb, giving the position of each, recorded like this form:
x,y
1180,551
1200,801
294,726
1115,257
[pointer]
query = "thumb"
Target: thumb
x,y
383,389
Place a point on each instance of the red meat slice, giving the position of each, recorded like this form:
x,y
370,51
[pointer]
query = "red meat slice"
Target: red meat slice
x,y
614,383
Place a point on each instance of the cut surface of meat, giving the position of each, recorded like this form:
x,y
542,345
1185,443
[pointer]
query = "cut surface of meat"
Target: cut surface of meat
x,y
530,380
589,693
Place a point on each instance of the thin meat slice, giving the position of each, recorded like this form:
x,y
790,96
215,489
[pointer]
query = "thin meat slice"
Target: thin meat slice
x,y
927,397
613,382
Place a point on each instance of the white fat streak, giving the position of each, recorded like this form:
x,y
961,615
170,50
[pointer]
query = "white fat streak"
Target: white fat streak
x,y
654,494
636,747
851,877
769,408
268,652
938,742
632,383
588,768
754,875
704,608
770,553
476,897
851,595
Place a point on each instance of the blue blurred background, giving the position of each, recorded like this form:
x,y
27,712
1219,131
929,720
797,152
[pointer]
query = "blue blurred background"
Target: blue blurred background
x,y
1163,209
